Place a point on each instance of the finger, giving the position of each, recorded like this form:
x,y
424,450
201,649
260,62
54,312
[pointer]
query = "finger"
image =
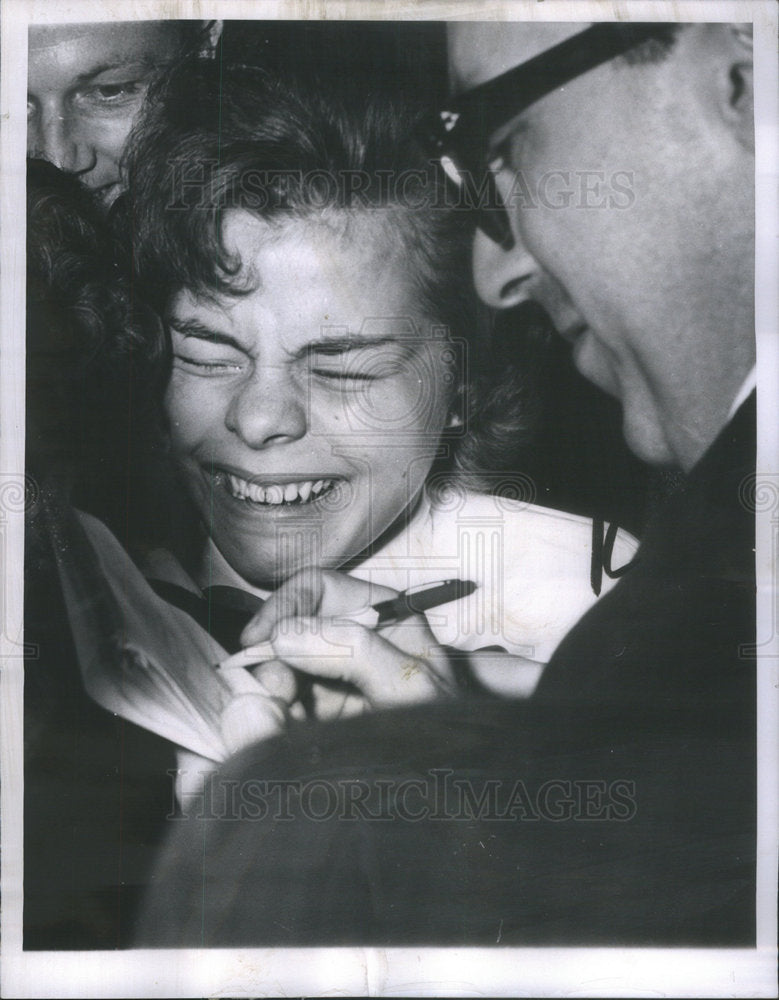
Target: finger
x,y
192,770
249,718
311,592
340,639
277,679
248,657
342,594
353,705
300,595
386,674
298,712
330,703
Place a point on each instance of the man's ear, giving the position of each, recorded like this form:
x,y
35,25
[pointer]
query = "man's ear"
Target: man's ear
x,y
212,32
740,90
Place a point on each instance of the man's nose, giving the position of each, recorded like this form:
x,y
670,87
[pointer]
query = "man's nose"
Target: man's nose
x,y
503,278
268,409
58,138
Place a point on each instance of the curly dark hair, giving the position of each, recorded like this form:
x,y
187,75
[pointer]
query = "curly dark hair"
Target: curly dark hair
x,y
94,352
218,137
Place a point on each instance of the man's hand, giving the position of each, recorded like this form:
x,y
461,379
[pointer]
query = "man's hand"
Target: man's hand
x,y
348,663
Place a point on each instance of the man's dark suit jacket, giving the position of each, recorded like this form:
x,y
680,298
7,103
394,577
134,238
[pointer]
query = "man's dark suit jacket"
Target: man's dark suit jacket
x,y
617,806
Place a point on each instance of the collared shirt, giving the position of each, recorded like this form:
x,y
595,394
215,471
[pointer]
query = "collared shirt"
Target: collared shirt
x,y
531,564
747,386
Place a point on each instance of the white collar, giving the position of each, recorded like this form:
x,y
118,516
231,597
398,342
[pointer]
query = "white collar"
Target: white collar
x,y
747,386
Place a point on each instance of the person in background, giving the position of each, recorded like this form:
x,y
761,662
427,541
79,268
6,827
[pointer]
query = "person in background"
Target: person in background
x,y
86,84
625,786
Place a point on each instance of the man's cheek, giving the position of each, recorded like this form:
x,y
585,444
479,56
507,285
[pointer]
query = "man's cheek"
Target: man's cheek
x,y
109,138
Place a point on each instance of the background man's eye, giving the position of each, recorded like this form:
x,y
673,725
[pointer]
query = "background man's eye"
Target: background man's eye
x,y
117,93
112,91
499,156
497,163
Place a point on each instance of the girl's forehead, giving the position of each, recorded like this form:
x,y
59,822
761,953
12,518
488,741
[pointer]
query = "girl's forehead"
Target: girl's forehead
x,y
370,231
350,267
360,253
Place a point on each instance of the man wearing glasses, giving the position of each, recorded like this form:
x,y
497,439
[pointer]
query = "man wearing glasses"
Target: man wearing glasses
x,y
617,806
655,291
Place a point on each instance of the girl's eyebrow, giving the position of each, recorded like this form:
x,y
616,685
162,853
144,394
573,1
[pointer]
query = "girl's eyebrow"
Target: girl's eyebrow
x,y
332,346
194,328
344,344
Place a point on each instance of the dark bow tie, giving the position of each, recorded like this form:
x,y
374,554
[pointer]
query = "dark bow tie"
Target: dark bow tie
x,y
222,611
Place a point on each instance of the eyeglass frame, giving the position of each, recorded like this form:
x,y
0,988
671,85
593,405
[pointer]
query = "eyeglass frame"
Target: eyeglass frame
x,y
460,133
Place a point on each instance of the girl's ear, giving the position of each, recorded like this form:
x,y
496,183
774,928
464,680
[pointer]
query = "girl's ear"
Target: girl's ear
x,y
454,417
453,420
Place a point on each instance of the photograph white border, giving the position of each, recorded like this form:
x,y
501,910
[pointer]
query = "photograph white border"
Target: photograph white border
x,y
381,972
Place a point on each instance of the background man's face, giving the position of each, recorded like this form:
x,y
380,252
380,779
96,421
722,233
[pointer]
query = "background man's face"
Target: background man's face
x,y
86,84
631,206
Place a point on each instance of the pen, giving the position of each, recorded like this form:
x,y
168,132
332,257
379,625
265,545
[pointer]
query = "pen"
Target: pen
x,y
417,600
414,601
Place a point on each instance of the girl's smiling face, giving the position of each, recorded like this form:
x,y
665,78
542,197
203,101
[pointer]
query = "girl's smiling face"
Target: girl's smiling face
x,y
306,411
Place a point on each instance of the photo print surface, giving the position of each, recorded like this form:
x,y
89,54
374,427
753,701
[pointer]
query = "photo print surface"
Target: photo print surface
x,y
395,457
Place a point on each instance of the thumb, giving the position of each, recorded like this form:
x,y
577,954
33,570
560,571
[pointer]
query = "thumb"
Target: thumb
x,y
299,596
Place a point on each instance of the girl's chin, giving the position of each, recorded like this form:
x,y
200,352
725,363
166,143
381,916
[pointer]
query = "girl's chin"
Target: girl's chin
x,y
267,573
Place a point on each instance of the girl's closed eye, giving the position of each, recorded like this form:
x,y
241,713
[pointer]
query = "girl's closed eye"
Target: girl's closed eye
x,y
207,367
359,366
338,374
204,357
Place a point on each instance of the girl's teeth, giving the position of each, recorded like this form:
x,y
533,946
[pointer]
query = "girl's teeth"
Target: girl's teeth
x,y
237,486
255,493
278,493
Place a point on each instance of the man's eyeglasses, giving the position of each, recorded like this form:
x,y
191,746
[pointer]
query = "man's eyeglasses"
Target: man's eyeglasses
x,y
460,134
